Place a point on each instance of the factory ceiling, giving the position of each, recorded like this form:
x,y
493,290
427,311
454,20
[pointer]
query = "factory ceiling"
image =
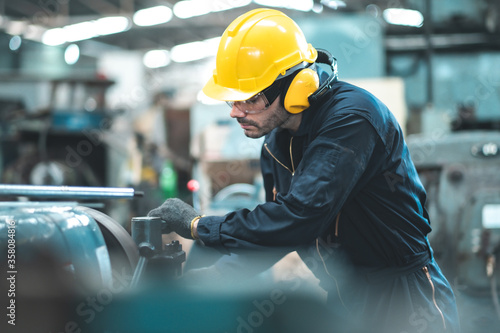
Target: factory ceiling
x,y
483,19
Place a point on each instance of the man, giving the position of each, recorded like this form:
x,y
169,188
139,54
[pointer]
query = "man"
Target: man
x,y
340,184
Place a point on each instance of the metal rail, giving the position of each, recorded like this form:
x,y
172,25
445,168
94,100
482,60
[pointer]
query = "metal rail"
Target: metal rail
x,y
80,192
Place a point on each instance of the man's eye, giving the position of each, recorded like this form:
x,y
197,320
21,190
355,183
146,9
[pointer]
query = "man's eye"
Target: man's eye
x,y
252,100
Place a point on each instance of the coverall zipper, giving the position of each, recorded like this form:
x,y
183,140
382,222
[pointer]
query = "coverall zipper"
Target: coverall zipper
x,y
291,157
330,275
337,225
426,271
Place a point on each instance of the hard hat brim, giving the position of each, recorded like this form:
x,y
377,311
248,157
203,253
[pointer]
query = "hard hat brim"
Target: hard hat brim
x,y
218,92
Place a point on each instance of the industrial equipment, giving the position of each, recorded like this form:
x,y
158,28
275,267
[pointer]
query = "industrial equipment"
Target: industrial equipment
x,y
163,262
62,143
72,268
60,252
460,171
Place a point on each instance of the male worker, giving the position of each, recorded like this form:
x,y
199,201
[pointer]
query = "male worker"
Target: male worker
x,y
337,174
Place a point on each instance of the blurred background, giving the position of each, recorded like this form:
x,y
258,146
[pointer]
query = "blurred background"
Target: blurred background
x,y
107,93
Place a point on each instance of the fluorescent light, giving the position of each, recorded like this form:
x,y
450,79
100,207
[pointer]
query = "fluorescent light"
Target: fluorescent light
x,y
72,54
212,45
218,6
190,8
111,25
54,37
188,52
401,16
195,50
302,5
152,16
80,31
156,58
86,30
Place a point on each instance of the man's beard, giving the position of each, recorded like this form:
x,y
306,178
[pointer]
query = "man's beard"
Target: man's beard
x,y
277,119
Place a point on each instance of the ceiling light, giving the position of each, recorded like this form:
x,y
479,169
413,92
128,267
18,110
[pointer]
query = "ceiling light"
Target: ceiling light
x,y
302,5
195,50
218,6
54,37
188,52
156,58
80,31
190,8
152,16
72,54
401,16
86,30
111,25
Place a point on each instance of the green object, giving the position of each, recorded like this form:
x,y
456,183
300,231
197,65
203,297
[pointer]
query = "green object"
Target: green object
x,y
168,181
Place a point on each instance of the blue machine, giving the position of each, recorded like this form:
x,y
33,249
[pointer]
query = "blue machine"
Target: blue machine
x,y
74,269
70,236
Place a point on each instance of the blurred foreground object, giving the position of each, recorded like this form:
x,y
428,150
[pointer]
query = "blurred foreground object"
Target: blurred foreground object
x,y
75,269
63,258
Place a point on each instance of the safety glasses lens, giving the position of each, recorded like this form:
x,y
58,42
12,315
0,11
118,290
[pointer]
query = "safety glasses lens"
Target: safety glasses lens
x,y
255,104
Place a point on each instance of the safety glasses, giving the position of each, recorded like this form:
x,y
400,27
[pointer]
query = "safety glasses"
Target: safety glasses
x,y
255,104
260,102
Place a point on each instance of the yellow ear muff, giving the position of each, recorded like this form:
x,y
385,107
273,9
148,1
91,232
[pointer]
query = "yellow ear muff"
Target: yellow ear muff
x,y
304,84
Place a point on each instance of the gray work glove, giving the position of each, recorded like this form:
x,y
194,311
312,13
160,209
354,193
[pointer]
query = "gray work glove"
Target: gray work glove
x,y
177,216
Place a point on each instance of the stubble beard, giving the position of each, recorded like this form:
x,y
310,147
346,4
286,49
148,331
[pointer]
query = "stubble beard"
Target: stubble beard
x,y
279,118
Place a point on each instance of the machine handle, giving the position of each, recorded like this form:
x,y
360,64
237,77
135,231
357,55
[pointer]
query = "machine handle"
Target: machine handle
x,y
79,192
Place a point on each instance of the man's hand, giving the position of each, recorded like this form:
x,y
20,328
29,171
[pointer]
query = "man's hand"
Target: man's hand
x,y
177,216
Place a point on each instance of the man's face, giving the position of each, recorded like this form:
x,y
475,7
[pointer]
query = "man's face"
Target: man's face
x,y
256,125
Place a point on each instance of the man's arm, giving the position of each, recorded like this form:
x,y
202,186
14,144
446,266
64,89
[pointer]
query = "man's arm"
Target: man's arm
x,y
330,168
267,176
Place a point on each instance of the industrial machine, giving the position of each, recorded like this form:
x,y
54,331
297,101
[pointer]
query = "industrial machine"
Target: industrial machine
x,y
461,173
72,268
62,143
60,252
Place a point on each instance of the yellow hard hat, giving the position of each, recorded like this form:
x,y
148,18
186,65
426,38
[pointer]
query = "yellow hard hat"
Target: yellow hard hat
x,y
254,50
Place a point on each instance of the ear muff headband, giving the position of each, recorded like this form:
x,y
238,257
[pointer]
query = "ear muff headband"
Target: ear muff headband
x,y
305,89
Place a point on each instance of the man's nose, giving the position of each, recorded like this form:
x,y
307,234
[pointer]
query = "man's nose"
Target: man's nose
x,y
237,113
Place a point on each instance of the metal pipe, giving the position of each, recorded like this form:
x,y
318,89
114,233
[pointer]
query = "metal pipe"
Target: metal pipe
x,y
79,192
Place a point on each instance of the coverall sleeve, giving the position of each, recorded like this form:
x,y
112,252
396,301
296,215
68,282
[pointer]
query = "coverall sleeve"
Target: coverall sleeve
x,y
331,166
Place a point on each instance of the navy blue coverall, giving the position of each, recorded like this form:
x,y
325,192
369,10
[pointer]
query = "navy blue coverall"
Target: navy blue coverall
x,y
343,191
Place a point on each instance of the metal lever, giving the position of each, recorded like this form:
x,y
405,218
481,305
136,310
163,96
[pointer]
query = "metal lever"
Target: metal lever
x,y
166,261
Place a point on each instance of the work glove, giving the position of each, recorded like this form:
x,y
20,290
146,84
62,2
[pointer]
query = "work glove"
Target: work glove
x,y
177,216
